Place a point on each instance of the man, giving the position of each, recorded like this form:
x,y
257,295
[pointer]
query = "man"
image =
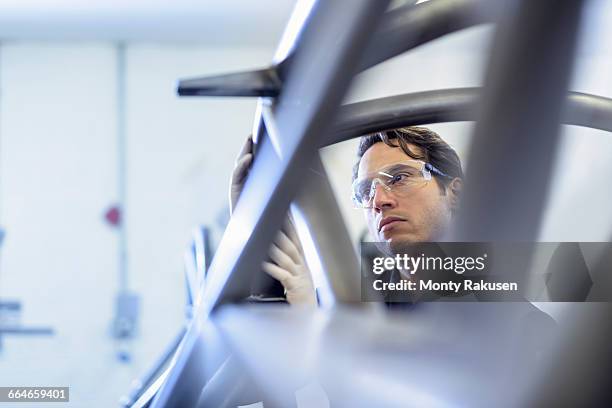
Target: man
x,y
407,181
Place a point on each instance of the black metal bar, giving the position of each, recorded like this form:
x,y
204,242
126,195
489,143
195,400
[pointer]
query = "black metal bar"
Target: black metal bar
x,y
264,82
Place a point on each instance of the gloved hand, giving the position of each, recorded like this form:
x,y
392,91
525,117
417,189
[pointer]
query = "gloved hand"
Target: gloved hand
x,y
289,267
241,170
286,255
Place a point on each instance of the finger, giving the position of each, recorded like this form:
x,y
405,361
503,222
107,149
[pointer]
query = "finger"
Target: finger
x,y
288,247
247,147
281,259
241,169
276,272
291,232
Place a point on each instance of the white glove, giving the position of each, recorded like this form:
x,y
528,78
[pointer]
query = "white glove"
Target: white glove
x,y
241,170
289,267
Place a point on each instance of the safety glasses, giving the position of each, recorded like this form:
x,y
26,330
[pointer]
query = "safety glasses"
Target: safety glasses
x,y
399,178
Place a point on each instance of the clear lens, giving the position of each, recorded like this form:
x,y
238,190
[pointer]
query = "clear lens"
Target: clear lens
x,y
398,178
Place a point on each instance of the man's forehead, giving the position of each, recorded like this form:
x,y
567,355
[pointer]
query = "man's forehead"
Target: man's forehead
x,y
381,155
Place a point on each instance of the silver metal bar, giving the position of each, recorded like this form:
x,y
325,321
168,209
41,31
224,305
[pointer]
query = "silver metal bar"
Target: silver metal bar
x,y
324,235
307,102
144,400
514,144
149,382
329,251
401,30
293,31
449,105
311,94
410,26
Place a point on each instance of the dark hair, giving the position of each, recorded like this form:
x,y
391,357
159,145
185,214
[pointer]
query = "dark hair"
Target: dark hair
x,y
432,149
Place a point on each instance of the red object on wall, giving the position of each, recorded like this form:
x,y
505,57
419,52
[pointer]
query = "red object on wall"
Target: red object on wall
x,y
113,216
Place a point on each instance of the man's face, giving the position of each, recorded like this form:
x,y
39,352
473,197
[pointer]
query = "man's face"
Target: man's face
x,y
421,216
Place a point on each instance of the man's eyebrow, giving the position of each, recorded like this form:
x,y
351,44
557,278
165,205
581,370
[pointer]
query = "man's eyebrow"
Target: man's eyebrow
x,y
394,167
388,169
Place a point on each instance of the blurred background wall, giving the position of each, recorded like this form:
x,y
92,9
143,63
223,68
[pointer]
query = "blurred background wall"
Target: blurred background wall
x,y
62,139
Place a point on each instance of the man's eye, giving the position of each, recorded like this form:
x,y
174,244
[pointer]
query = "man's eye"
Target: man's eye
x,y
398,178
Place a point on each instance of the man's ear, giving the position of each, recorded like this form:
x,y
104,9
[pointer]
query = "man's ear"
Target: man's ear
x,y
454,192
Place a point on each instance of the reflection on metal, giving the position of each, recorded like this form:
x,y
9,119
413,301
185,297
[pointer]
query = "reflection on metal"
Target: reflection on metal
x,y
437,354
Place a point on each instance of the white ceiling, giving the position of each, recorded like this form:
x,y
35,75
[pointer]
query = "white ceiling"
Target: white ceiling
x,y
224,22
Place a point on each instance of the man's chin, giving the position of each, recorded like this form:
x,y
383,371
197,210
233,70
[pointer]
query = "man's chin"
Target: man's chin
x,y
396,243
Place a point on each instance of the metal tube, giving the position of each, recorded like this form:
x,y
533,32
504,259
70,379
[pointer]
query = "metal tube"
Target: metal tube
x,y
321,228
515,139
449,105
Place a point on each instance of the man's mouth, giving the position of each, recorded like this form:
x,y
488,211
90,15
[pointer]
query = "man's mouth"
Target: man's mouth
x,y
388,222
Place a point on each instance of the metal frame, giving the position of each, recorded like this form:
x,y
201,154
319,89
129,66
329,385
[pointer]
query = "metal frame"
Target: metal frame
x,y
307,103
288,138
400,30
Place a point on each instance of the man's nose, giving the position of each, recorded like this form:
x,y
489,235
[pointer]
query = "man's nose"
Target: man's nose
x,y
383,199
